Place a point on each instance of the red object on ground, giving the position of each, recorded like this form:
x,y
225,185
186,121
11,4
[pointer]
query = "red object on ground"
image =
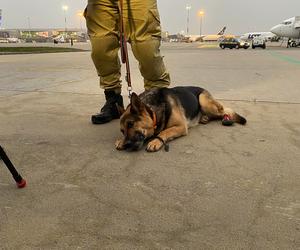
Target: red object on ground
x,y
227,120
22,183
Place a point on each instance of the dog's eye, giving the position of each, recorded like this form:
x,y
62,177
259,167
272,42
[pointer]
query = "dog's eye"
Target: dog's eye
x,y
130,124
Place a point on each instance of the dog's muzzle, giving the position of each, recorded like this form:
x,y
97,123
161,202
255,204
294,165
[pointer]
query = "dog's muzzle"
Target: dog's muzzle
x,y
135,143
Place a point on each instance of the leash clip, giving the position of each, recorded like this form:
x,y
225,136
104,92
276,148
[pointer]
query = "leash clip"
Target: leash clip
x,y
129,88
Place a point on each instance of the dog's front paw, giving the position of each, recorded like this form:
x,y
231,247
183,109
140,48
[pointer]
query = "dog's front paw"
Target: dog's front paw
x,y
204,119
119,144
154,145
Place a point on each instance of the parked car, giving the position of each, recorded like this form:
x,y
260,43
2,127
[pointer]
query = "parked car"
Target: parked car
x,y
258,42
244,45
233,43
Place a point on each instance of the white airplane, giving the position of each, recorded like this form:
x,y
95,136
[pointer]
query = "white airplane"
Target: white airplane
x,y
289,28
208,38
264,35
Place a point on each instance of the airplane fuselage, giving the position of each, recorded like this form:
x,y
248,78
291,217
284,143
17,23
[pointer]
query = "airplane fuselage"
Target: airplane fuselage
x,y
288,28
251,35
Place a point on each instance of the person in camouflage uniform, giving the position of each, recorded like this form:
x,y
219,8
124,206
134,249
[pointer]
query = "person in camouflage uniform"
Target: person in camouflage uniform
x,y
143,32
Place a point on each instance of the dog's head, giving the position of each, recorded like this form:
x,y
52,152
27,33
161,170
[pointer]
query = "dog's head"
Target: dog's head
x,y
137,123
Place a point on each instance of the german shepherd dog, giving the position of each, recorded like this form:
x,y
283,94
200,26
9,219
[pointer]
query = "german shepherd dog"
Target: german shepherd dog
x,y
158,116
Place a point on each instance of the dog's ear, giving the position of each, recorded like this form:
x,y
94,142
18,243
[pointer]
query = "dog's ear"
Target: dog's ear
x,y
121,110
136,105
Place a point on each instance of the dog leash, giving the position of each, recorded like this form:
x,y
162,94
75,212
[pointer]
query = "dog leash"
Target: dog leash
x,y
125,60
166,146
124,50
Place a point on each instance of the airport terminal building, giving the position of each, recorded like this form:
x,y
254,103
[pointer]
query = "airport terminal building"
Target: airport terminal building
x,y
42,35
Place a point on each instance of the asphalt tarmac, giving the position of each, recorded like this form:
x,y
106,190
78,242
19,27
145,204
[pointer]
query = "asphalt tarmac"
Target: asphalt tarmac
x,y
218,188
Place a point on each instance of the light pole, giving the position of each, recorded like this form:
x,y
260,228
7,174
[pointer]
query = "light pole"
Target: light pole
x,y
65,8
29,26
201,14
29,23
188,8
80,14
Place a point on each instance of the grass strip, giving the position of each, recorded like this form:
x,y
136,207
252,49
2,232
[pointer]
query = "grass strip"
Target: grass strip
x,y
36,50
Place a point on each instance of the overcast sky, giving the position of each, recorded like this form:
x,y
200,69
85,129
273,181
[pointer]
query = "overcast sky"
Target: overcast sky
x,y
239,16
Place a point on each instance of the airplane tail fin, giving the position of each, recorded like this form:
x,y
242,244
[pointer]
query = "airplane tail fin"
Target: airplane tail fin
x,y
222,31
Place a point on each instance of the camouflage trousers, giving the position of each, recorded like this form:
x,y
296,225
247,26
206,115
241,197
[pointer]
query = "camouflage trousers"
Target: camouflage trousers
x,y
143,31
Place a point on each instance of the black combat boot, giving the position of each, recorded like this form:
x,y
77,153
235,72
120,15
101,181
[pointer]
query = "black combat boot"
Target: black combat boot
x,y
109,111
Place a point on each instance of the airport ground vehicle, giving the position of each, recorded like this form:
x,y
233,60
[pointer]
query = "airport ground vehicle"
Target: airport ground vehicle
x,y
258,42
244,44
233,43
